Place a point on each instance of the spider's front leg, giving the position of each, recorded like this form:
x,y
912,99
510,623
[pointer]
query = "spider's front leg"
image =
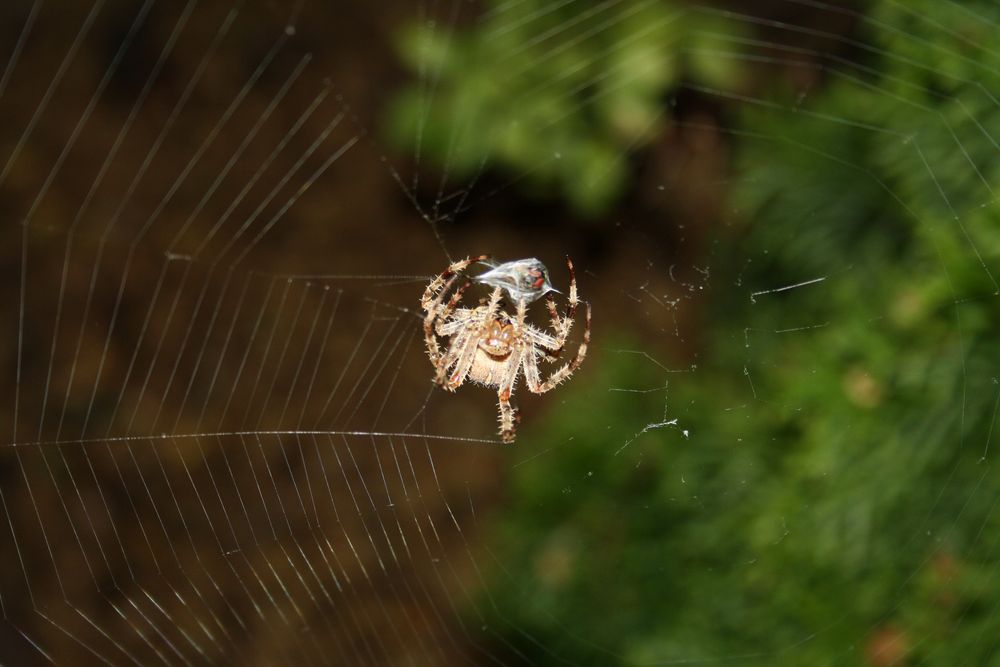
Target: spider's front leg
x,y
431,293
558,325
562,325
446,325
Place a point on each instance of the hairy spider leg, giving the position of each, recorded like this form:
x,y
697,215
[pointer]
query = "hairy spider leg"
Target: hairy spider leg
x,y
563,325
550,347
531,366
465,341
554,347
441,325
520,317
430,305
531,375
434,293
450,272
459,321
508,413
468,353
541,340
461,354
434,318
457,346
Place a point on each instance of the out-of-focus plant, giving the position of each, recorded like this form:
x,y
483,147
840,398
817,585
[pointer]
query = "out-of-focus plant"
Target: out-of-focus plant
x,y
557,93
835,503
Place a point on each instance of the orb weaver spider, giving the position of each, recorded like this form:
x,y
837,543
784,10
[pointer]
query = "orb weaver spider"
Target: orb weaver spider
x,y
491,346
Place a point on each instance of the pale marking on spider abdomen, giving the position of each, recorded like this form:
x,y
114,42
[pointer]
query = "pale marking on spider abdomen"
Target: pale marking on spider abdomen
x,y
487,369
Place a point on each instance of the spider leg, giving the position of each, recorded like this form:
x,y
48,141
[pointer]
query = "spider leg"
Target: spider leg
x,y
466,350
551,355
552,344
433,296
542,339
430,341
508,418
433,319
531,375
465,355
563,325
452,304
508,414
435,285
460,320
494,303
550,304
522,314
432,304
447,360
531,368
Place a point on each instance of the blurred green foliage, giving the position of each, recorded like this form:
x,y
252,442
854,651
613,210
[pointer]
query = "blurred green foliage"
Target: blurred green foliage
x,y
557,94
835,503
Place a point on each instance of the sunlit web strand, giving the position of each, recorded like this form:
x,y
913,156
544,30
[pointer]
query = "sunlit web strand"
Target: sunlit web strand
x,y
221,434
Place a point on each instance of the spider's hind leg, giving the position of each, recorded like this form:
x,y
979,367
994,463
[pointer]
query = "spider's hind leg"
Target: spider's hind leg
x,y
431,301
461,354
437,316
509,417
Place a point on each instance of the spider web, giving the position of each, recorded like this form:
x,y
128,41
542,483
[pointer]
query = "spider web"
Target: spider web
x,y
223,444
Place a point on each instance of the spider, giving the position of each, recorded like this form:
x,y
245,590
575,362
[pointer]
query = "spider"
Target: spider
x,y
490,346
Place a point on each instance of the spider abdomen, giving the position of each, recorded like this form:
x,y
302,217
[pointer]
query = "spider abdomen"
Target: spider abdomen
x,y
488,369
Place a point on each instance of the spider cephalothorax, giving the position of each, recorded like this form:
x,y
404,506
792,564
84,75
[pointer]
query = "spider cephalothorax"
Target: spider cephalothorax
x,y
491,346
